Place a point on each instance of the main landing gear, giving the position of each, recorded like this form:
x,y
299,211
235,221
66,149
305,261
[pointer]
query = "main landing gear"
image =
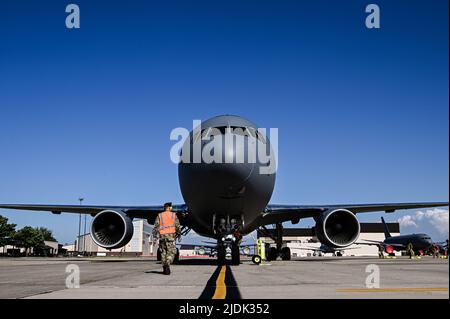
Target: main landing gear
x,y
272,253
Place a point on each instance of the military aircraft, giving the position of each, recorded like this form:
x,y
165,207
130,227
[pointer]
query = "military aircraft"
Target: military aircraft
x,y
420,242
442,246
324,249
211,249
229,198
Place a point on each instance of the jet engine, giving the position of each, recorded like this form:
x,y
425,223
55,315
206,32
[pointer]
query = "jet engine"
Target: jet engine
x,y
389,249
337,228
111,229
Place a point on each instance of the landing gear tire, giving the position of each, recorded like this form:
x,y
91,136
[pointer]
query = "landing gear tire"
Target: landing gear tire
x,y
221,255
272,254
285,253
235,255
256,259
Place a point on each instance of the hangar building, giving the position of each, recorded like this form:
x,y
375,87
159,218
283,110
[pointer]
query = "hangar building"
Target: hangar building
x,y
299,238
139,245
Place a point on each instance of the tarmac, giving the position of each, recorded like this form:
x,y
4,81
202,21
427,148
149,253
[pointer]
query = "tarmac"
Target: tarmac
x,y
193,278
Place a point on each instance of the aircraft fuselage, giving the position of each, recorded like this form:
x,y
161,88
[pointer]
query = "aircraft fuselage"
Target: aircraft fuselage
x,y
419,241
225,197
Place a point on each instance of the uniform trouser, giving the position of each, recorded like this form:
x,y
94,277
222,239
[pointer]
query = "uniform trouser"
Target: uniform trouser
x,y
168,249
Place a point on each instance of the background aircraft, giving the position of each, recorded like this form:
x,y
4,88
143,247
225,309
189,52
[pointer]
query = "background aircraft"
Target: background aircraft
x,y
420,242
324,249
228,199
443,247
211,249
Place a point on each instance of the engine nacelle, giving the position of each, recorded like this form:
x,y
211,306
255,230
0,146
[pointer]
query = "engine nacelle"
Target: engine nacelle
x,y
389,249
111,229
337,228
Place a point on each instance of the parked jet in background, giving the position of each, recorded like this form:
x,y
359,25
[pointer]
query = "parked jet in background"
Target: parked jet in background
x,y
441,246
324,249
211,249
419,242
229,199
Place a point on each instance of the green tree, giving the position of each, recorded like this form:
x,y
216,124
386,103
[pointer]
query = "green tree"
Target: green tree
x,y
6,230
30,238
47,234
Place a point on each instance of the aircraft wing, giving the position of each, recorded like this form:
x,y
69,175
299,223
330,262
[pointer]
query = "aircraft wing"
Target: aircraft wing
x,y
281,213
146,212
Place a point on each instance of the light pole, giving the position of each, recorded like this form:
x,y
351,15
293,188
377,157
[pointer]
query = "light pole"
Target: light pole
x,y
84,235
79,226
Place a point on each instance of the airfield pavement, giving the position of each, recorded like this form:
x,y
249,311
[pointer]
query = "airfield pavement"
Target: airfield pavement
x,y
311,277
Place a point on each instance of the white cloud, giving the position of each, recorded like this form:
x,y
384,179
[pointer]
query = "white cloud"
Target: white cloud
x,y
437,218
407,221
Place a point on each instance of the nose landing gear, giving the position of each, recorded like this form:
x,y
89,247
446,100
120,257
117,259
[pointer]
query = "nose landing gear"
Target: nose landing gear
x,y
230,238
228,246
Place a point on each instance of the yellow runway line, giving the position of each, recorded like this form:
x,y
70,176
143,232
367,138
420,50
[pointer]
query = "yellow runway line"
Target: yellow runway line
x,y
221,288
432,289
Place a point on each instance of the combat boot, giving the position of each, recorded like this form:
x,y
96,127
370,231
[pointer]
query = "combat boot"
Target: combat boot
x,y
166,270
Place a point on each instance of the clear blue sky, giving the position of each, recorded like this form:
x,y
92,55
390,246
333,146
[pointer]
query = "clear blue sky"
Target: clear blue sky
x,y
362,114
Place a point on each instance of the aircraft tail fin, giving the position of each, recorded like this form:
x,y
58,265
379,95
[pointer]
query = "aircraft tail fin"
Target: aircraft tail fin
x,y
387,234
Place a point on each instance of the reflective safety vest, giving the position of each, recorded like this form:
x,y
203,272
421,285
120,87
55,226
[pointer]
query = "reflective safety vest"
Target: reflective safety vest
x,y
167,222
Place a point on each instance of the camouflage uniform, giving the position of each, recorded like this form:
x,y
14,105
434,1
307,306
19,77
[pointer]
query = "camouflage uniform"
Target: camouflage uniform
x,y
380,252
167,242
410,250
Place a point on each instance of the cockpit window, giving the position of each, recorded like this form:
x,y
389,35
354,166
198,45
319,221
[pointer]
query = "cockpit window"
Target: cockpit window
x,y
206,132
260,137
252,131
242,131
257,134
203,133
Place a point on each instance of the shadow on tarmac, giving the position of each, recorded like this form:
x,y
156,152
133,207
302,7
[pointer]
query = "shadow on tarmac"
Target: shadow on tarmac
x,y
197,262
325,259
203,262
159,272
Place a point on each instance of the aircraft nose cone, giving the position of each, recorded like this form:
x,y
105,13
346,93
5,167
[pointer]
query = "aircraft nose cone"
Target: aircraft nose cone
x,y
229,179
